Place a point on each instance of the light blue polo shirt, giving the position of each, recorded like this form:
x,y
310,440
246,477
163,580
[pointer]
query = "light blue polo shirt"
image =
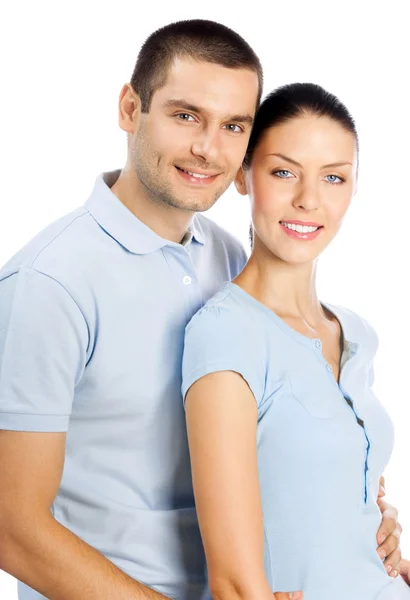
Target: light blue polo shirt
x,y
321,446
92,319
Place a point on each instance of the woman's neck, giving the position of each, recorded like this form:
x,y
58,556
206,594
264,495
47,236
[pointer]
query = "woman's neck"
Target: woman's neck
x,y
289,290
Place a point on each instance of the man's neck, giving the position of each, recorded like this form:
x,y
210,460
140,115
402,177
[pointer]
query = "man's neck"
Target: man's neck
x,y
166,221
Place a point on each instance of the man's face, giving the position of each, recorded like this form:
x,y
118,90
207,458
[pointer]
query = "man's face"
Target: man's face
x,y
187,150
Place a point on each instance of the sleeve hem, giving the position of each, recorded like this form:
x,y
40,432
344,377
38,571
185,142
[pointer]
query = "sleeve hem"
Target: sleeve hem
x,y
216,368
39,423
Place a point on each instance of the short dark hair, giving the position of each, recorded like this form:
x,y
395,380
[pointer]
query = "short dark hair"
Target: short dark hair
x,y
295,100
292,101
197,39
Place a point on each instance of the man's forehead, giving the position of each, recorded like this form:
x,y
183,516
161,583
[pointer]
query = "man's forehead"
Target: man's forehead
x,y
211,87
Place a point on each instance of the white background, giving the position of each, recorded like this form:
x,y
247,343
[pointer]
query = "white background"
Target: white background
x,y
62,67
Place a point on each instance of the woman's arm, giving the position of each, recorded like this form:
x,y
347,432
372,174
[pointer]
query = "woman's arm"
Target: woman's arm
x,y
221,420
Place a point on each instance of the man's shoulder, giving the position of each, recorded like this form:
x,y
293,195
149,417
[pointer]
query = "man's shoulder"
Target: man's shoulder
x,y
220,236
56,248
211,229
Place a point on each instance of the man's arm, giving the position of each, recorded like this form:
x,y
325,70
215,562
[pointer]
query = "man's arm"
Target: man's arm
x,y
34,547
404,569
388,535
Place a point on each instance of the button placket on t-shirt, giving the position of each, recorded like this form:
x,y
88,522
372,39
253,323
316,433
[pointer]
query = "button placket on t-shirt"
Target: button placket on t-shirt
x,y
353,349
183,271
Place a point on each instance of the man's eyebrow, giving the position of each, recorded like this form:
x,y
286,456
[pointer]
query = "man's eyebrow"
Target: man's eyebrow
x,y
284,157
247,119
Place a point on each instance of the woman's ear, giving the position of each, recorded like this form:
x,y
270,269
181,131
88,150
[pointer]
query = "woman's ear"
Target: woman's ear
x,y
240,182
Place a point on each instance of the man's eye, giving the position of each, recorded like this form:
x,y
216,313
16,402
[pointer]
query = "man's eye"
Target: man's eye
x,y
234,128
184,117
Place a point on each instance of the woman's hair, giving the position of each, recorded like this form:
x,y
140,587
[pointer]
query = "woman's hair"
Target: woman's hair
x,y
195,39
295,100
289,102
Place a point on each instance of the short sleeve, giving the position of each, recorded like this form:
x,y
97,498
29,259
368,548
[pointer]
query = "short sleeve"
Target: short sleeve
x,y
43,346
370,344
217,339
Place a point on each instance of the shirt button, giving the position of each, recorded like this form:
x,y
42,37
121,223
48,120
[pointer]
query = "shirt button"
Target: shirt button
x,y
329,368
318,344
187,280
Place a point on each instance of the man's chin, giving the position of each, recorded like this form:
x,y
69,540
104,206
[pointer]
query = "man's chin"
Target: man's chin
x,y
197,203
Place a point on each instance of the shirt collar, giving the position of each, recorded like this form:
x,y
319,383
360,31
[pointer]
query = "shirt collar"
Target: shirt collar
x,y
122,225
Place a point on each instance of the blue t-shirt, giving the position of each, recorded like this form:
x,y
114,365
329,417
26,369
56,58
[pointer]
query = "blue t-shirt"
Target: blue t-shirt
x,y
92,320
321,446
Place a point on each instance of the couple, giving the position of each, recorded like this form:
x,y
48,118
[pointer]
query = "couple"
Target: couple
x,y
287,441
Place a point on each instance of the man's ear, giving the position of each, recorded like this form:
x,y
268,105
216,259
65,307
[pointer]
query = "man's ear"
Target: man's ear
x,y
129,109
240,182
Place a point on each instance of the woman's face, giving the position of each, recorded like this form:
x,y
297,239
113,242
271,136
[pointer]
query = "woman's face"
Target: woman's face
x,y
301,181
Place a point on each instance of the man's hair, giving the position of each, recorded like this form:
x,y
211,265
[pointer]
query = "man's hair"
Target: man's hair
x,y
196,39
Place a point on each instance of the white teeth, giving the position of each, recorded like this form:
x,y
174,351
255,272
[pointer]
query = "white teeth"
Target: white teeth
x,y
300,228
198,175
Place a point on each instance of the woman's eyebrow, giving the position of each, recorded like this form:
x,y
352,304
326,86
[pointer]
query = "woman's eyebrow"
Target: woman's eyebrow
x,y
284,157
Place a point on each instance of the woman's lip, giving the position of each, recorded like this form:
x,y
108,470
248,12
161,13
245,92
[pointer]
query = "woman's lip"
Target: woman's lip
x,y
303,223
296,235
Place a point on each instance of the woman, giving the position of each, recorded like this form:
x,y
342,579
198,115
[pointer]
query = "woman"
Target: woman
x,y
287,439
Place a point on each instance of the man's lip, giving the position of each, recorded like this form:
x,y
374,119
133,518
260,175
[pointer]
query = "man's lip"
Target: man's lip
x,y
197,171
304,223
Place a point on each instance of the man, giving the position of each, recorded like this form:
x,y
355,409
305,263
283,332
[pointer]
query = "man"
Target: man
x,y
95,495
405,570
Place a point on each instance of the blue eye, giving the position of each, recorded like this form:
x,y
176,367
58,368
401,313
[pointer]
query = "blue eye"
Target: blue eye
x,y
334,179
283,174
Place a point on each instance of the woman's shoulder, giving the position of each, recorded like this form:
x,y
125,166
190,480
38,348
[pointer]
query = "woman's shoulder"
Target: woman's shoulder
x,y
223,309
224,335
356,328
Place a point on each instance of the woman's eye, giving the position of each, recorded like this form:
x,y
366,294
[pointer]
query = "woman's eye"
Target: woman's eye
x,y
283,174
334,179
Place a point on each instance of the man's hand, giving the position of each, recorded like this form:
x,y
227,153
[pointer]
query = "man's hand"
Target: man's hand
x,y
405,570
288,596
388,536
